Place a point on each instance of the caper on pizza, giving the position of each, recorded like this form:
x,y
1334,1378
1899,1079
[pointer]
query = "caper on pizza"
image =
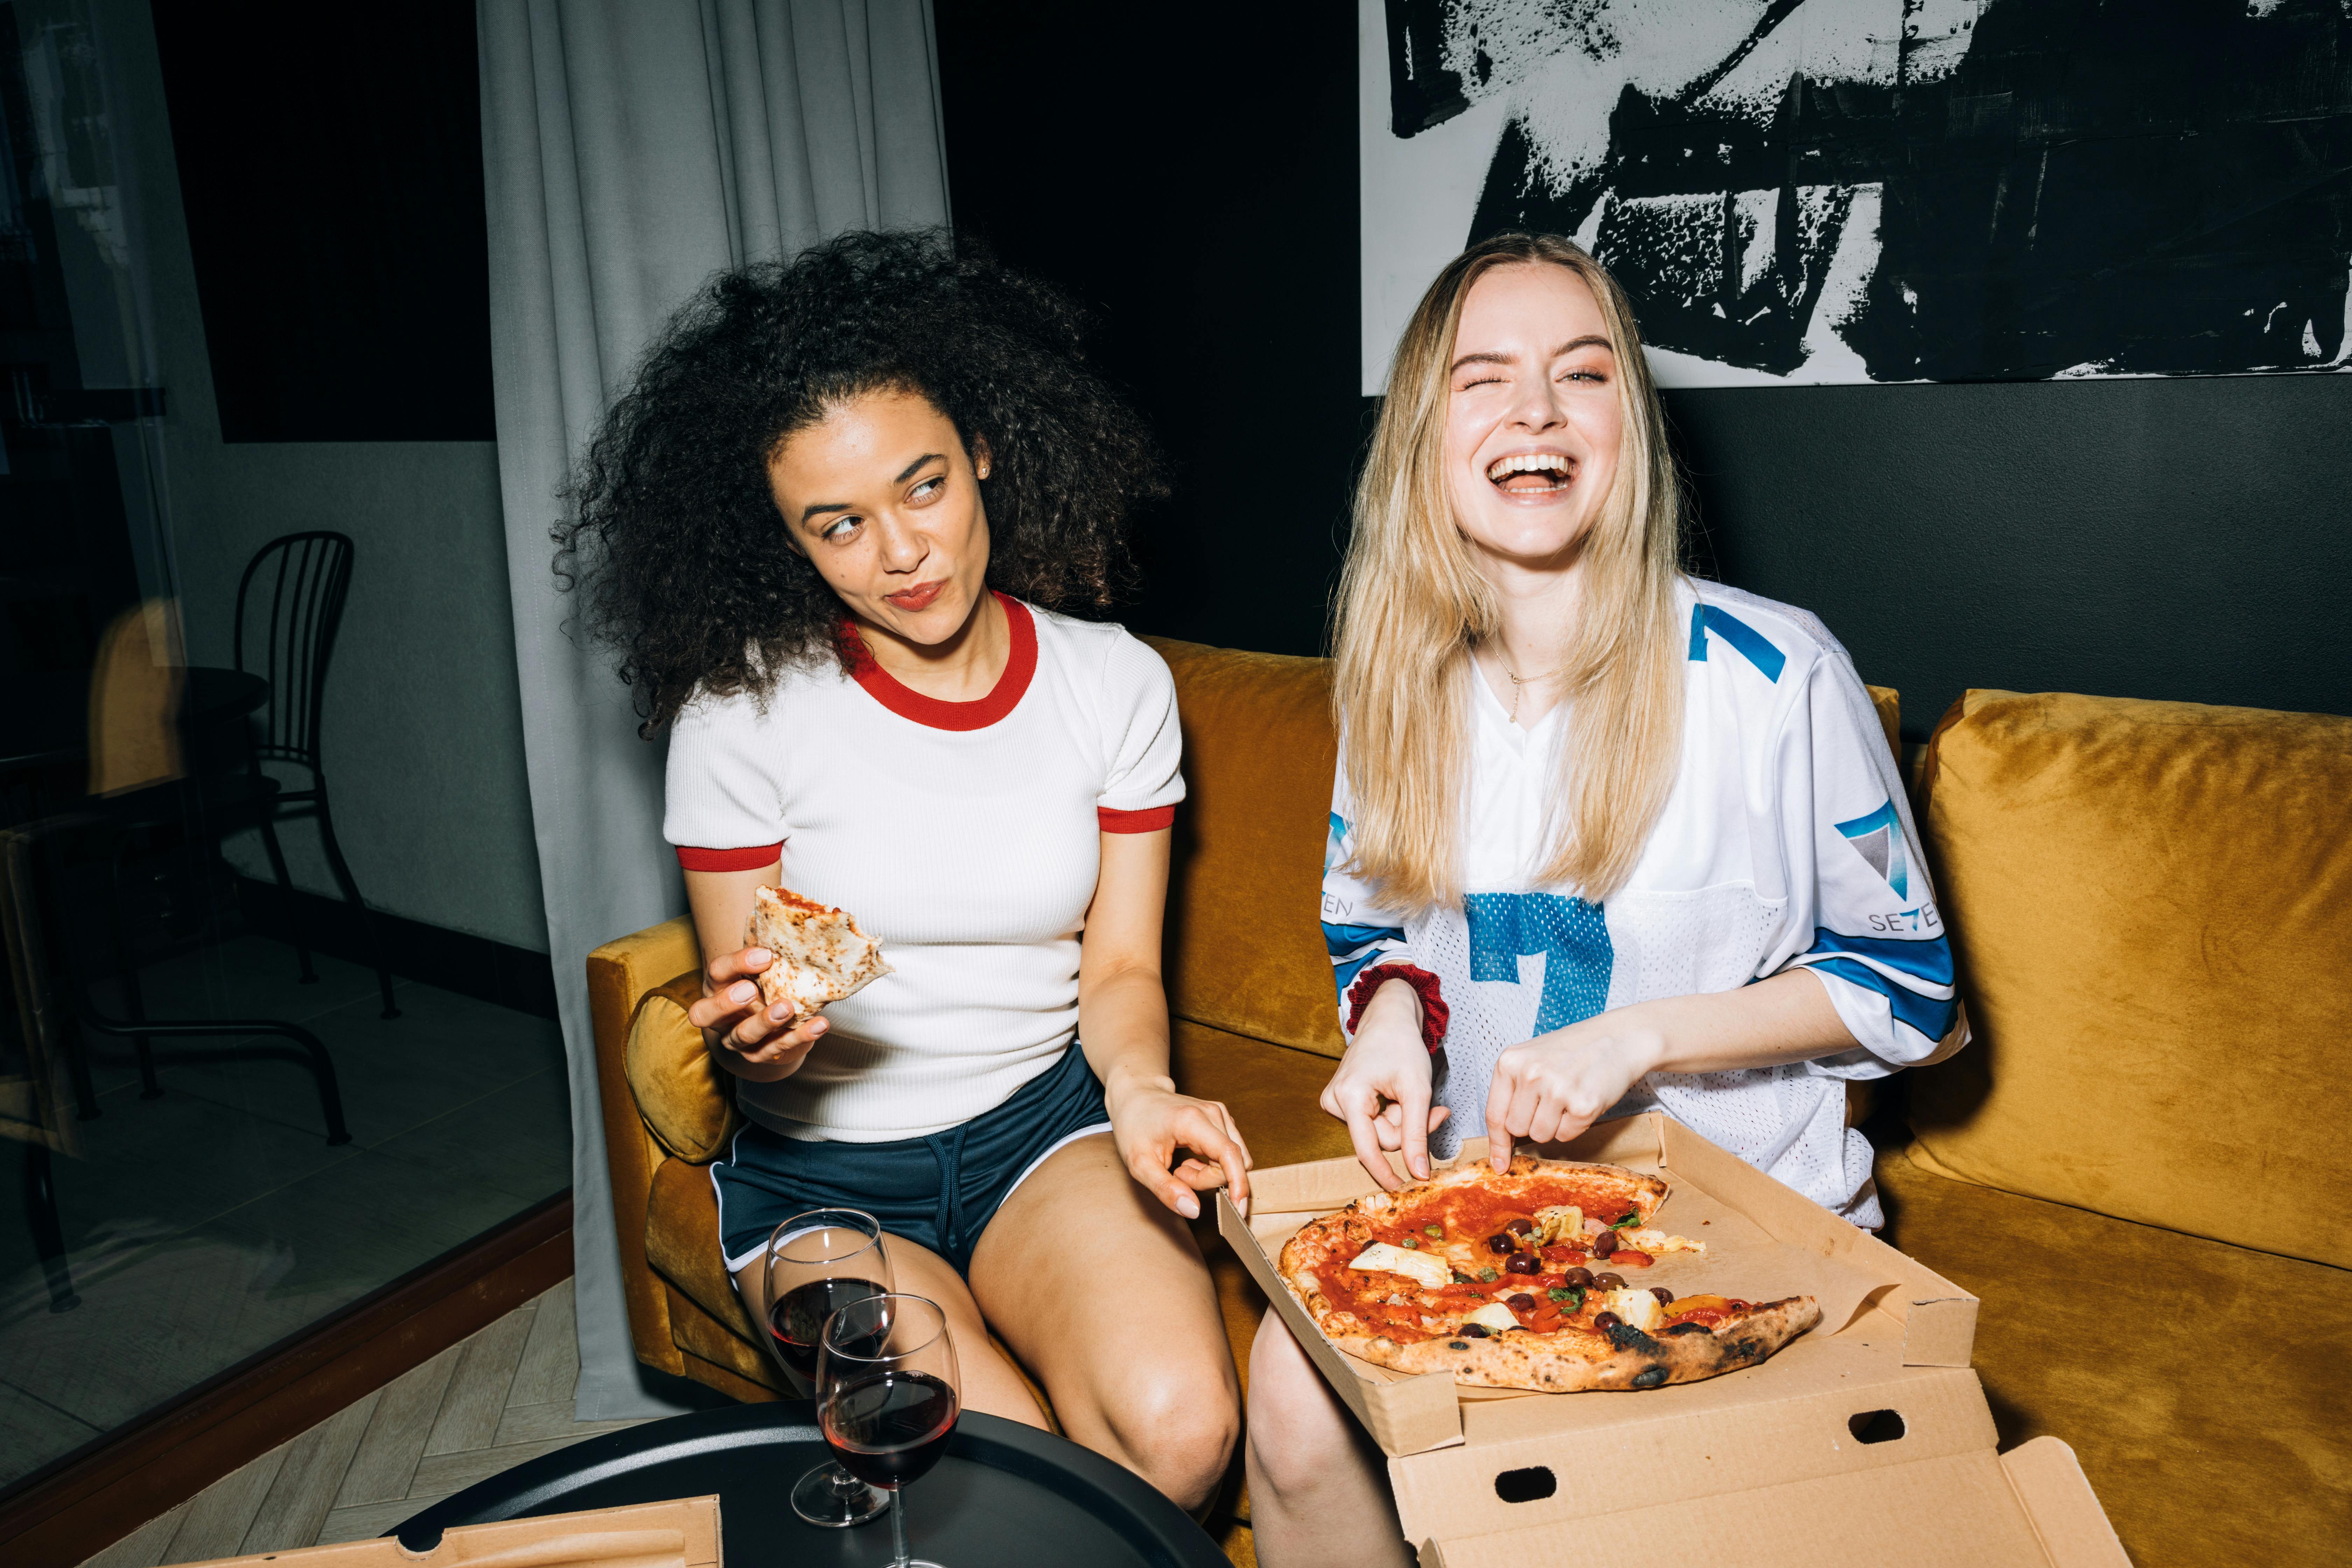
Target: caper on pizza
x,y
1525,1278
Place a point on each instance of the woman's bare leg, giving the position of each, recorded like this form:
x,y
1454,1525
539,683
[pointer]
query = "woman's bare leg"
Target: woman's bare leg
x,y
1100,1290
989,1382
1318,1489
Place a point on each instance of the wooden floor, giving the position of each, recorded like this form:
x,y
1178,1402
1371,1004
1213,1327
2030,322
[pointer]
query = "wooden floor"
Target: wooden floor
x,y
499,1398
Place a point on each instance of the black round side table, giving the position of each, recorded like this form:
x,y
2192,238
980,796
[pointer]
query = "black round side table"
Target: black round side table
x,y
1006,1494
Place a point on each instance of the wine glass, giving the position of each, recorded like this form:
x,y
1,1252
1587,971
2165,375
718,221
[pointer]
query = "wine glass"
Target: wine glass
x,y
817,1262
887,1398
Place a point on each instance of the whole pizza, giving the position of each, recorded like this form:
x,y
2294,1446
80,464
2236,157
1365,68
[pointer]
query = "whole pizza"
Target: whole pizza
x,y
1518,1279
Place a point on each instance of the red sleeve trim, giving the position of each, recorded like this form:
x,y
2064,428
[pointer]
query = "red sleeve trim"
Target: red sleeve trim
x,y
1434,1013
1151,820
757,859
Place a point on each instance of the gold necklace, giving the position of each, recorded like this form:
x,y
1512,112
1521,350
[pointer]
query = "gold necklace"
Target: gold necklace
x,y
1517,681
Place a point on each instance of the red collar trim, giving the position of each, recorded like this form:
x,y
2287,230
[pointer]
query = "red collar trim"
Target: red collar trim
x,y
908,703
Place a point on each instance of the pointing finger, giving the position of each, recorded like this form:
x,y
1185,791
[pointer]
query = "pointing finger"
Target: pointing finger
x,y
1414,1123
1499,1106
1368,1148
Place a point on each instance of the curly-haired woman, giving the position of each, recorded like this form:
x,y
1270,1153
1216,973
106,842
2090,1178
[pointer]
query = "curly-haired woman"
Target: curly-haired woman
x,y
832,527
1604,838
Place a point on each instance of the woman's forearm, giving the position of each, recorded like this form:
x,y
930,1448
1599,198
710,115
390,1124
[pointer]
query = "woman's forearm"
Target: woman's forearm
x,y
1787,1018
1123,1026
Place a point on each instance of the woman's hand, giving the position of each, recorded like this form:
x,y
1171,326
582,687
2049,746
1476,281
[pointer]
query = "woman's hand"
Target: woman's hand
x,y
757,1042
1382,1087
1555,1086
1151,1122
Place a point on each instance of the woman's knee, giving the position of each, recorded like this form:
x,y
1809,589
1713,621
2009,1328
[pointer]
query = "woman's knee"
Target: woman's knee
x,y
1176,1424
1298,1430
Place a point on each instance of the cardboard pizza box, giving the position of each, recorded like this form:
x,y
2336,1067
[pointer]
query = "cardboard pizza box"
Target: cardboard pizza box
x,y
681,1534
1872,1416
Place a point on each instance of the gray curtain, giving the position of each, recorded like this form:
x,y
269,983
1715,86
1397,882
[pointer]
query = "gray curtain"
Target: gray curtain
x,y
632,148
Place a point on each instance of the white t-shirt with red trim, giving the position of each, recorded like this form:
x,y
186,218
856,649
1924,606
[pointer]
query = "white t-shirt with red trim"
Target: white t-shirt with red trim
x,y
966,835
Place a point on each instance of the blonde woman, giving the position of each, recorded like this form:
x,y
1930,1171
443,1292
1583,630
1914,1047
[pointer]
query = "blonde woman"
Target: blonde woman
x,y
1604,839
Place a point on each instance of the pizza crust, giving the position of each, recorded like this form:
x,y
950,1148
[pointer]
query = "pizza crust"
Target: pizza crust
x,y
821,955
1644,1191
1624,1357
1575,1364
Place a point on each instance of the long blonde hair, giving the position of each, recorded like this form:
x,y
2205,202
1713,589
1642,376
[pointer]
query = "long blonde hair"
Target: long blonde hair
x,y
1412,604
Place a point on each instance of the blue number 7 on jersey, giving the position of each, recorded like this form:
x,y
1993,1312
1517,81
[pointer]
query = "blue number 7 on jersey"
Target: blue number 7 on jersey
x,y
1571,934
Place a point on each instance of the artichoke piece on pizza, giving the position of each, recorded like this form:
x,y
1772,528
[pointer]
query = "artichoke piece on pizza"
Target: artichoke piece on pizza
x,y
821,956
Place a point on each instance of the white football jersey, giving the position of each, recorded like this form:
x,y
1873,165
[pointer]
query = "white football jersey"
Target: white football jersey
x,y
1786,842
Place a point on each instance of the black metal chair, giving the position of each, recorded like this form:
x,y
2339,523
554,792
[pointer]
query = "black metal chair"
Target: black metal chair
x,y
49,994
305,577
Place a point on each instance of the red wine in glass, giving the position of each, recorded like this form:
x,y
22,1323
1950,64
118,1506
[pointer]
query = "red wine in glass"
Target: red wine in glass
x,y
891,1429
888,1395
798,1319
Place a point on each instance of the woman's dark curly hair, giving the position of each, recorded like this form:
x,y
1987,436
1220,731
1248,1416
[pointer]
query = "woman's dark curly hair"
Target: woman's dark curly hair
x,y
672,532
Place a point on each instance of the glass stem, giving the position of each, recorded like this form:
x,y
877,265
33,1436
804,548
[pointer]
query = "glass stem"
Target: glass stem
x,y
898,1525
846,1485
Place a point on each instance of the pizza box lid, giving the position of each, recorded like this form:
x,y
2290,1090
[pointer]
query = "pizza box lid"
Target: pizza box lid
x,y
684,1533
1877,1403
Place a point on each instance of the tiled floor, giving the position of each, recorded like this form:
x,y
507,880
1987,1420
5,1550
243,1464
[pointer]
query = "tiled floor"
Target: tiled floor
x,y
210,1223
499,1398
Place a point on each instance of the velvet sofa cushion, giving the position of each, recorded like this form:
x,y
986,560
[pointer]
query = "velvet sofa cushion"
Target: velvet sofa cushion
x,y
682,1244
2151,912
1244,952
681,1093
2202,1385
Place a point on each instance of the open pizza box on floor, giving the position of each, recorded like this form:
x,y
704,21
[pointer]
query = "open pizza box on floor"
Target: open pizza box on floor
x,y
680,1534
1863,1444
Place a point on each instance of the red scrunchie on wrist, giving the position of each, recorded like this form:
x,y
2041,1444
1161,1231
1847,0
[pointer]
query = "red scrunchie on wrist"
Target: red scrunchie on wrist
x,y
1434,1015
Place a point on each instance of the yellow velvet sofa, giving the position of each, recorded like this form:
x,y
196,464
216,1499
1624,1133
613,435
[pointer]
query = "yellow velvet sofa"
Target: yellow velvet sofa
x,y
2178,1329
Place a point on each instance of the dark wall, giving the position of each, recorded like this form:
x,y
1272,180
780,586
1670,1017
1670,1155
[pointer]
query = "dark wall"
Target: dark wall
x,y
2143,538
1204,203
331,167
2186,539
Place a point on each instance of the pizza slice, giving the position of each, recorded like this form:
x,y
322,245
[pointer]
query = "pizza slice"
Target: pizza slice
x,y
821,956
1510,1280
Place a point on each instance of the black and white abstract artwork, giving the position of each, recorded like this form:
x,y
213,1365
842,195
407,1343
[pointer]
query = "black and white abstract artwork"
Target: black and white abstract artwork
x,y
1884,190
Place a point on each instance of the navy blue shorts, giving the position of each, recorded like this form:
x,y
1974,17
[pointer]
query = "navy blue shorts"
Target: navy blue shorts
x,y
939,1191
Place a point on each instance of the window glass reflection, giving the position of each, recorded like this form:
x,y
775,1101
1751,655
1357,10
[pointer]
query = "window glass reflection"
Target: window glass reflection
x,y
276,1021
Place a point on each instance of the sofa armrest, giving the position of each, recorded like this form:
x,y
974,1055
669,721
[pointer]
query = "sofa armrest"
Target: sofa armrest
x,y
620,974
